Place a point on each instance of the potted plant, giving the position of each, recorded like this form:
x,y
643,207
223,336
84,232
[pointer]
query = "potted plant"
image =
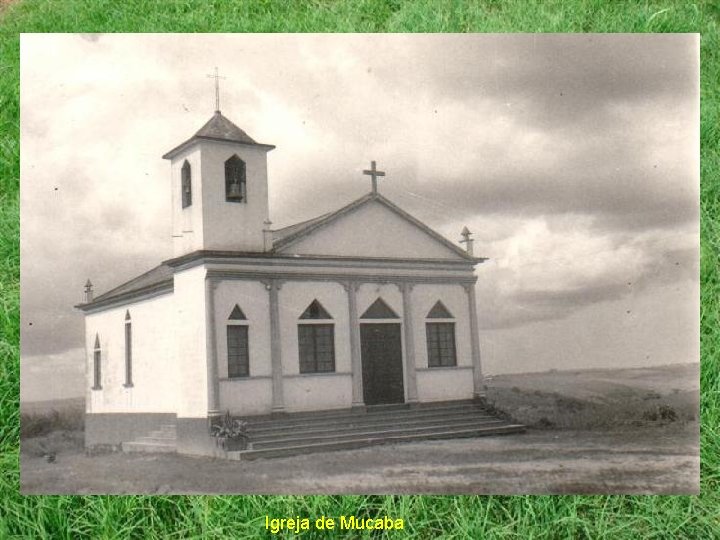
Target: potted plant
x,y
230,433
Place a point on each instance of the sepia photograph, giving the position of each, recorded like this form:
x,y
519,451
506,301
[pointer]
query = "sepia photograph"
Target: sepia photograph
x,y
360,263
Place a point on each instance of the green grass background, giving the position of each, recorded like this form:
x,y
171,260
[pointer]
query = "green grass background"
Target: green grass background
x,y
425,516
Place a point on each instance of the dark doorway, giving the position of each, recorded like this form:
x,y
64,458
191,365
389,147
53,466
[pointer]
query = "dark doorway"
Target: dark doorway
x,y
382,363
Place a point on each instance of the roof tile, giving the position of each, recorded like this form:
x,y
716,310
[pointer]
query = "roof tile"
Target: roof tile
x,y
219,127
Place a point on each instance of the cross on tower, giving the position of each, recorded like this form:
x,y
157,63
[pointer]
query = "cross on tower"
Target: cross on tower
x,y
373,173
217,88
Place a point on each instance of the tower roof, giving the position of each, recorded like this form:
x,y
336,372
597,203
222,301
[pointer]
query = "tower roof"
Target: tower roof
x,y
218,128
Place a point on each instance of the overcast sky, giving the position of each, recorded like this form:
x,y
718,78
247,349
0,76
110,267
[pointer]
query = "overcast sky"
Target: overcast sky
x,y
573,159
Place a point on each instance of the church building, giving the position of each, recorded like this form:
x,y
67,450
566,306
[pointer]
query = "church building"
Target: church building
x,y
360,307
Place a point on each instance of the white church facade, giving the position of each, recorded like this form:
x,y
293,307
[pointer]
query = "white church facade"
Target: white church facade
x,y
360,307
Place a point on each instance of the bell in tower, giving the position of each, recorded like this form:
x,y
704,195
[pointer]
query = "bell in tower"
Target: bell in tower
x,y
235,179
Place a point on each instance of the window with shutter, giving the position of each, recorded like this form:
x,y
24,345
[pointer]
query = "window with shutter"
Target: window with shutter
x,y
128,350
440,337
238,351
97,365
186,185
316,340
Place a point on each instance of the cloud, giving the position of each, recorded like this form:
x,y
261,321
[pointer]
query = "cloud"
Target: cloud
x,y
554,80
52,376
551,268
574,158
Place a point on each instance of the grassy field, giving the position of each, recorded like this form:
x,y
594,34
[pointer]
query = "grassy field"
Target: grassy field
x,y
426,517
599,399
41,417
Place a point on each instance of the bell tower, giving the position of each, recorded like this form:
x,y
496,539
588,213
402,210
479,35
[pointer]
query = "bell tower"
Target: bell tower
x,y
219,190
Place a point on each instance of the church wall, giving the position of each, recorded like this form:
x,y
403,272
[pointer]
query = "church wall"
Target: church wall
x,y
253,394
390,293
230,225
315,391
187,228
443,383
246,396
372,231
153,358
191,342
253,300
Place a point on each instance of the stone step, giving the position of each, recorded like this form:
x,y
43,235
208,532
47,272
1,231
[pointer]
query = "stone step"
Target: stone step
x,y
396,408
368,423
347,416
387,407
360,442
150,447
163,434
153,439
364,423
372,432
350,421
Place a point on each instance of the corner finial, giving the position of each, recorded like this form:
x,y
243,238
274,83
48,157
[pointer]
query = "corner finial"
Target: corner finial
x,y
88,291
467,240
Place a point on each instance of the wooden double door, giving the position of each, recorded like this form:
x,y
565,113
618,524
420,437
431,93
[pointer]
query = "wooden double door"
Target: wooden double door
x,y
382,366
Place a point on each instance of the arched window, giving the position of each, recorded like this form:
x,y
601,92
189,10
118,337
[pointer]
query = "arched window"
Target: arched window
x,y
186,184
97,365
237,344
128,350
440,330
235,189
316,340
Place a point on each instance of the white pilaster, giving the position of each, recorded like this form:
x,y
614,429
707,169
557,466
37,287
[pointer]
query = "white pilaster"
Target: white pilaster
x,y
278,399
478,382
351,288
213,382
409,334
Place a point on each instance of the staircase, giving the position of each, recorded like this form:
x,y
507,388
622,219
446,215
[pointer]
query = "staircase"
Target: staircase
x,y
161,440
304,433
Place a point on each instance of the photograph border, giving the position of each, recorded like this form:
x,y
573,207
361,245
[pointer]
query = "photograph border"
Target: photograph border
x,y
465,516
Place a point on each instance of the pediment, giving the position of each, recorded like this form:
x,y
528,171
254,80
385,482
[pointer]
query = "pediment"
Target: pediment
x,y
379,310
371,227
237,314
439,311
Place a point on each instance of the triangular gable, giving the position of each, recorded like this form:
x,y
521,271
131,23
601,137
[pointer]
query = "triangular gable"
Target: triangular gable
x,y
127,315
97,342
439,311
315,311
379,310
237,314
371,226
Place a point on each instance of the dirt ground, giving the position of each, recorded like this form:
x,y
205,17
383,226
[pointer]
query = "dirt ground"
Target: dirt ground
x,y
600,431
642,461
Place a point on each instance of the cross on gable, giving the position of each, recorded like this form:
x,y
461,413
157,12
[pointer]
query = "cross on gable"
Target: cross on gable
x,y
374,174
